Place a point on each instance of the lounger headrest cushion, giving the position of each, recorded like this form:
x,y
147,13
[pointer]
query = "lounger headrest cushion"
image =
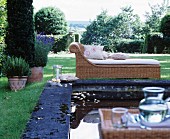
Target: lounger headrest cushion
x,y
93,52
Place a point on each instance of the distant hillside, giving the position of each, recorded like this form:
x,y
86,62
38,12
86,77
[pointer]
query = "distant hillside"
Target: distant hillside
x,y
78,24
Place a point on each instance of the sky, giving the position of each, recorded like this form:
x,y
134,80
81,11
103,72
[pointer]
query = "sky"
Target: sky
x,y
86,10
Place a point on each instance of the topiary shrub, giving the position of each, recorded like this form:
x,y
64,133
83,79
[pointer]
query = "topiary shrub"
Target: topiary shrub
x,y
165,25
77,37
50,20
20,29
154,42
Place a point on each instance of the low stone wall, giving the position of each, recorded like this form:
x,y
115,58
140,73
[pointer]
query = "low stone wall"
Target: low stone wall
x,y
50,118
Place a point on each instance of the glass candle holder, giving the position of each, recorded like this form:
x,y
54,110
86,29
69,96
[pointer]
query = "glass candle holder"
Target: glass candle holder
x,y
57,71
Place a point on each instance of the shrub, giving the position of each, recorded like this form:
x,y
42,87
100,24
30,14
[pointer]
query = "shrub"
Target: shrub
x,y
165,25
77,37
154,42
130,46
62,42
2,46
50,20
20,29
43,44
14,66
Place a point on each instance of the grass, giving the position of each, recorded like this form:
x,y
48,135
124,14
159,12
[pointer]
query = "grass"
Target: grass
x,y
16,107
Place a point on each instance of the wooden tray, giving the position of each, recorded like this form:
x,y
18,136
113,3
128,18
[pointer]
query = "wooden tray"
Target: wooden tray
x,y
109,132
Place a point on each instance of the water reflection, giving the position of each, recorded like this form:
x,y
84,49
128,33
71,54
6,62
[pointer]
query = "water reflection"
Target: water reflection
x,y
88,127
85,117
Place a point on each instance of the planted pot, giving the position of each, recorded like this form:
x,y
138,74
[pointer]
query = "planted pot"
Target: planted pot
x,y
17,83
16,70
36,74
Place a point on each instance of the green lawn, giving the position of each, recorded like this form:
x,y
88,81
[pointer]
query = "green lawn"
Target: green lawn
x,y
16,107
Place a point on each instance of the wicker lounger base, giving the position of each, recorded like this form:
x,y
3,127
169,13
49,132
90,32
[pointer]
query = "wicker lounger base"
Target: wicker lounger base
x,y
85,69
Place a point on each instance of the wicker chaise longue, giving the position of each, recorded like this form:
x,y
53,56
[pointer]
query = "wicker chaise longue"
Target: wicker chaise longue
x,y
87,69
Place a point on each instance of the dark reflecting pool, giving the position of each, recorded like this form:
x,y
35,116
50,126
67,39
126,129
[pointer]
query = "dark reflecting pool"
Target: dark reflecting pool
x,y
85,118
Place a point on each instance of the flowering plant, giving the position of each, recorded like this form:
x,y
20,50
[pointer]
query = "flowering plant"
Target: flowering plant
x,y
43,44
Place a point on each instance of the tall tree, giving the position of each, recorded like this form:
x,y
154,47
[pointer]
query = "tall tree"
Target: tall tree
x,y
20,30
126,24
97,30
105,30
153,18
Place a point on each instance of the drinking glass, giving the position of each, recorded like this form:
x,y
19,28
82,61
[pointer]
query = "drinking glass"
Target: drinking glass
x,y
119,117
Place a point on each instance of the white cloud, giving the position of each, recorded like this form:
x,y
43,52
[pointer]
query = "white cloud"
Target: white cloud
x,y
88,9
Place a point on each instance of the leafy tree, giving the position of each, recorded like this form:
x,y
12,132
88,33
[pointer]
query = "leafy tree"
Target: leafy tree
x,y
3,17
20,30
153,19
96,29
126,24
50,20
107,30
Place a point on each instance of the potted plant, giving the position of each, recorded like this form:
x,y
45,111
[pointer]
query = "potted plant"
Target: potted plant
x,y
43,45
16,70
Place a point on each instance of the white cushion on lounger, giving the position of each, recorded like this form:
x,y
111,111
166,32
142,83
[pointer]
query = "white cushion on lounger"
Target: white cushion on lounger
x,y
127,61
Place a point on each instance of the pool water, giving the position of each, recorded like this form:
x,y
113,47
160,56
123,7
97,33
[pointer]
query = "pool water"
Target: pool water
x,y
87,128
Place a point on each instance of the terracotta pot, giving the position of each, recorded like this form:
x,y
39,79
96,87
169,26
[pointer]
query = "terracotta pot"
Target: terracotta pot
x,y
17,83
36,74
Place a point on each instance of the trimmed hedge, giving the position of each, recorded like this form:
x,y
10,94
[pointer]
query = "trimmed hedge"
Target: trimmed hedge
x,y
130,46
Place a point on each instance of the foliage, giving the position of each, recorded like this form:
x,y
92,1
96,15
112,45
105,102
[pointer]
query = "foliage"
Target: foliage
x,y
2,56
106,30
43,44
50,20
77,37
3,22
14,66
130,46
62,42
153,19
20,29
166,41
154,42
165,25
98,31
126,25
